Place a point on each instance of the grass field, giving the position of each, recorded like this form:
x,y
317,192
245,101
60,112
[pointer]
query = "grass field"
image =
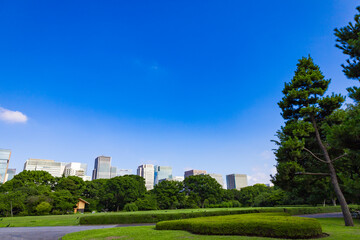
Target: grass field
x,y
333,226
73,219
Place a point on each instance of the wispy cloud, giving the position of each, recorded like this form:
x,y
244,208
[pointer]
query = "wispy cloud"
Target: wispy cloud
x,y
261,175
10,116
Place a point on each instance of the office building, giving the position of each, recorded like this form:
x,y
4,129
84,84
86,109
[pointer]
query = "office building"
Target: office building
x,y
147,172
4,163
56,169
161,172
11,172
194,172
123,172
102,168
77,169
218,178
236,181
113,172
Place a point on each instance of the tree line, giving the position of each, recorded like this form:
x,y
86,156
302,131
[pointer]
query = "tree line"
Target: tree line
x,y
39,193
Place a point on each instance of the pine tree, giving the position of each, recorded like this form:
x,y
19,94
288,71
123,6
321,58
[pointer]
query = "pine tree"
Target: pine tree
x,y
305,106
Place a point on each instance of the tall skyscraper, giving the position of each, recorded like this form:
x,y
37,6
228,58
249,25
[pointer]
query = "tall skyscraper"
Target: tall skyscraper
x,y
193,173
161,172
236,181
11,172
218,178
56,169
102,168
4,163
147,171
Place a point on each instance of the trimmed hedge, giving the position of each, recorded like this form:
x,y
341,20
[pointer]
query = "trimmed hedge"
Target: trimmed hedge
x,y
120,218
260,224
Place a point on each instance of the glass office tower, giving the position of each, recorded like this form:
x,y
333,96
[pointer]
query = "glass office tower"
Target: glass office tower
x,y
4,163
161,172
102,168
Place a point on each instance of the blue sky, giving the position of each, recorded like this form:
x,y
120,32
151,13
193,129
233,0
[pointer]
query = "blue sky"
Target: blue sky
x,y
190,84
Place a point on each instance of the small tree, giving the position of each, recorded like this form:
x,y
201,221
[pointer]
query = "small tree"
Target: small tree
x,y
303,103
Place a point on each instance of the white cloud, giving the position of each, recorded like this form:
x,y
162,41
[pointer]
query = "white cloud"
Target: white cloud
x,y
261,175
9,116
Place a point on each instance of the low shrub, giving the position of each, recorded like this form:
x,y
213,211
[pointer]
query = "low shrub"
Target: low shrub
x,y
118,218
311,210
260,224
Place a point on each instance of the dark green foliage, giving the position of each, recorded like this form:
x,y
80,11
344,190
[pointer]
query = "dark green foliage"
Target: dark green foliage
x,y
122,190
248,194
304,105
130,207
260,224
148,202
201,187
156,217
169,194
75,185
63,201
348,40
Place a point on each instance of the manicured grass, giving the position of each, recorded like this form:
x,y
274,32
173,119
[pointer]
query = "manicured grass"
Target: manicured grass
x,y
280,225
157,216
333,226
69,220
40,221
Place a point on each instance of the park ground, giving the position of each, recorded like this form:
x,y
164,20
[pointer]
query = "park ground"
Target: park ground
x,y
332,226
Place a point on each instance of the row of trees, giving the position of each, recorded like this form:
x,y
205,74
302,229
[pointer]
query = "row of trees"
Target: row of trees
x,y
39,193
318,150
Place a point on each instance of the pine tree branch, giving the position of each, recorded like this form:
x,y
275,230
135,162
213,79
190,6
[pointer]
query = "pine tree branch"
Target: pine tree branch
x,y
314,155
315,174
339,157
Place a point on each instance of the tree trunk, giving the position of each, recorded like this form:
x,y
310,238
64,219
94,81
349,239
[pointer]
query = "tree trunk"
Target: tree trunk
x,y
334,201
324,203
344,207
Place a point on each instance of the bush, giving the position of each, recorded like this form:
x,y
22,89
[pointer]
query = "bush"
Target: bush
x,y
163,216
43,208
261,224
130,207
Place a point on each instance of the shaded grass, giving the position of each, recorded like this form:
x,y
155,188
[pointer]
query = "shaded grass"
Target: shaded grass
x,y
333,226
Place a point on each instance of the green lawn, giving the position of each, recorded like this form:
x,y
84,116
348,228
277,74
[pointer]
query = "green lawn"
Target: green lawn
x,y
40,221
73,219
333,226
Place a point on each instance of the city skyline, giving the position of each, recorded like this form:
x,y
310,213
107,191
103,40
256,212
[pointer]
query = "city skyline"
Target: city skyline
x,y
181,86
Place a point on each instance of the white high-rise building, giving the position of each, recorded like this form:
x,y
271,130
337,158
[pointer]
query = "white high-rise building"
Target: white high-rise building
x,y
147,172
236,181
218,178
56,169
76,169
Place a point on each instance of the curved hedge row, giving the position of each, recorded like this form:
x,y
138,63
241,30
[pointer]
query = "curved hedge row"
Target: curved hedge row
x,y
144,217
260,224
